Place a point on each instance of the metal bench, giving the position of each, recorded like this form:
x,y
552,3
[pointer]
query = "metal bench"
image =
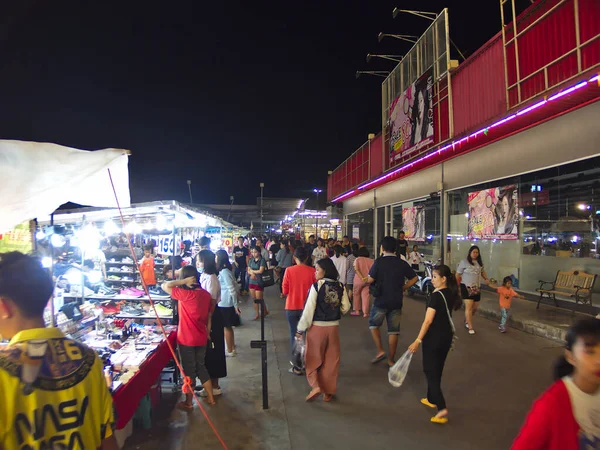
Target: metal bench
x,y
575,284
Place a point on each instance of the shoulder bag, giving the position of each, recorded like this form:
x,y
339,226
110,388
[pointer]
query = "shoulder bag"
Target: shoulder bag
x,y
454,336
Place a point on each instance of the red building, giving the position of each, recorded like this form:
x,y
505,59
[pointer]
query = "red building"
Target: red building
x,y
502,150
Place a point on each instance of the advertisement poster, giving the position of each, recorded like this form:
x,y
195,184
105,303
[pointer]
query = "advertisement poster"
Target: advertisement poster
x,y
355,231
19,239
413,221
494,213
411,118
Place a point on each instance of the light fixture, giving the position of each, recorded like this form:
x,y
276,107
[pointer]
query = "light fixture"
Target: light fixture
x,y
110,228
57,240
582,206
395,58
424,14
402,37
317,191
376,73
46,262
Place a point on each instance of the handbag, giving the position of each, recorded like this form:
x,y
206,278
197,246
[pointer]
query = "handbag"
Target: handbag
x,y
268,278
454,336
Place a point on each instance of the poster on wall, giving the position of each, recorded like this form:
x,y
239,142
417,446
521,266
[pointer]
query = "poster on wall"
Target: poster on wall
x,y
355,231
413,220
494,213
411,119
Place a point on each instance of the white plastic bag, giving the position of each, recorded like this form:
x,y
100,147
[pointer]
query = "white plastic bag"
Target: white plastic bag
x,y
298,352
398,371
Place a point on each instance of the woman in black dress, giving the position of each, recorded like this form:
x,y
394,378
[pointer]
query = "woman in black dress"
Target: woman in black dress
x,y
215,352
436,335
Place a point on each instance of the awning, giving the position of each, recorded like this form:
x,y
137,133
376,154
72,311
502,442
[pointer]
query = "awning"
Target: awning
x,y
37,178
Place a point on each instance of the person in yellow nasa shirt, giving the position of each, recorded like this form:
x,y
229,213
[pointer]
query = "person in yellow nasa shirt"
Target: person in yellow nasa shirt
x,y
54,394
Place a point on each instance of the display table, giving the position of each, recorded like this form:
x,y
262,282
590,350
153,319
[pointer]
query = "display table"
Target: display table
x,y
128,396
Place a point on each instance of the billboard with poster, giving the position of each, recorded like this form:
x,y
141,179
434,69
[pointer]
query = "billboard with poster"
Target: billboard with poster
x,y
413,223
411,118
494,213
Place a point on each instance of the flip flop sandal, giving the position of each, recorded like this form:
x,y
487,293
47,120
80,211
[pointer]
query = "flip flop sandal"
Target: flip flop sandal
x,y
378,359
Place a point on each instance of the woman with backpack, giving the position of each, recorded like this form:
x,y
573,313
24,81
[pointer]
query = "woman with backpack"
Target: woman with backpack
x,y
327,301
436,335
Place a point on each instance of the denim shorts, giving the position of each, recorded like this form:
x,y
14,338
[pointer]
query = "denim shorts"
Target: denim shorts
x,y
392,316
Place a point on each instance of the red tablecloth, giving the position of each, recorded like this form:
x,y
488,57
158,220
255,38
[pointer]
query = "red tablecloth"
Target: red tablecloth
x,y
127,398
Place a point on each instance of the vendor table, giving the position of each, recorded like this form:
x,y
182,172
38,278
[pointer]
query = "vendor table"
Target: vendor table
x,y
128,396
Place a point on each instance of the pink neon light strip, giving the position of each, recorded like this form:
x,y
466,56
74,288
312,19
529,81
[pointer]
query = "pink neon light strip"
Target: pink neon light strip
x,y
454,143
343,196
568,91
532,107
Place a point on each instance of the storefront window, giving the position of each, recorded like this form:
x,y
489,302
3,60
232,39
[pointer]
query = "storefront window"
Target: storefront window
x,y
360,226
536,224
420,220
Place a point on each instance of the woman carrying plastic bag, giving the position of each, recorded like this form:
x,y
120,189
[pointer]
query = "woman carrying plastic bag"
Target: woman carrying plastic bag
x,y
398,371
437,336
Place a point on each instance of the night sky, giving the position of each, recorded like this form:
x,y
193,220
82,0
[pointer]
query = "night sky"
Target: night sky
x,y
228,94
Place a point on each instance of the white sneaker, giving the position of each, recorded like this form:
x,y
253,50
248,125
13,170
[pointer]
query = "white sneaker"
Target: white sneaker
x,y
471,331
216,391
232,354
466,325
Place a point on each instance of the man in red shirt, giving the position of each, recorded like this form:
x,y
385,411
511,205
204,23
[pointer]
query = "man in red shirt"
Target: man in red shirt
x,y
195,311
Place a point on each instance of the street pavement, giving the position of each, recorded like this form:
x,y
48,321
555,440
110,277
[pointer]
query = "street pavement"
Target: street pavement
x,y
489,382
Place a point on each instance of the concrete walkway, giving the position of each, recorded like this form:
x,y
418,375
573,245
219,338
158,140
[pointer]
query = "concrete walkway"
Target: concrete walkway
x,y
489,382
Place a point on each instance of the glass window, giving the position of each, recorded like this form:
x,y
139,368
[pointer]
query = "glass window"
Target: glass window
x,y
360,226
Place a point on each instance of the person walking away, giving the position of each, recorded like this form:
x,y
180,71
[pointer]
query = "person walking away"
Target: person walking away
x,y
256,267
341,264
285,259
388,274
415,258
215,353
351,272
506,294
229,304
402,245
241,257
327,301
361,294
42,370
565,416
147,267
436,335
297,282
263,251
195,310
273,250
204,243
468,275
319,252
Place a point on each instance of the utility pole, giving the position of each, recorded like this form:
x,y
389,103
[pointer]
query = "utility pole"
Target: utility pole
x,y
189,183
317,191
262,227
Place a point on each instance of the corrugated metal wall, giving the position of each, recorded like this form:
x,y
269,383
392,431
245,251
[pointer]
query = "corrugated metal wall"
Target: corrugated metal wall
x,y
478,88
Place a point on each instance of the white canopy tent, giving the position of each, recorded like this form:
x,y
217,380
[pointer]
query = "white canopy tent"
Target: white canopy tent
x,y
37,178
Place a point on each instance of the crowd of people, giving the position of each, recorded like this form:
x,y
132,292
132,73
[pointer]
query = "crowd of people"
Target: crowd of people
x,y
321,280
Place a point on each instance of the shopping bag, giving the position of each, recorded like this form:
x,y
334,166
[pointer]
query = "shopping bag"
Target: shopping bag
x,y
398,371
268,278
298,352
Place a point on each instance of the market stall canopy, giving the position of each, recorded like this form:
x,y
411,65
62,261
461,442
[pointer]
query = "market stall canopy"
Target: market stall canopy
x,y
37,178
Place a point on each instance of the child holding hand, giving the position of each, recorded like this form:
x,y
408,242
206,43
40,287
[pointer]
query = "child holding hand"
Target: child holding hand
x,y
506,293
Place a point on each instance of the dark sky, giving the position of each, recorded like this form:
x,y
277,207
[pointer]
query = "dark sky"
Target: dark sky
x,y
226,93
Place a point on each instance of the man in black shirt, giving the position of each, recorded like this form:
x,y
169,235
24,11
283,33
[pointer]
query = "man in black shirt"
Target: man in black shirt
x,y
388,274
347,246
401,245
310,245
241,254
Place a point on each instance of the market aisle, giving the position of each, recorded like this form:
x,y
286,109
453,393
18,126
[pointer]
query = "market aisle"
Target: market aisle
x,y
489,384
238,414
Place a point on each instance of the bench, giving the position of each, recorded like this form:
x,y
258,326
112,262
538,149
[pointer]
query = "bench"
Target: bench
x,y
574,284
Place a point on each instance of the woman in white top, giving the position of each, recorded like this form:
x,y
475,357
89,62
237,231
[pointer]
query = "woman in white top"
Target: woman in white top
x,y
215,353
468,275
341,263
414,258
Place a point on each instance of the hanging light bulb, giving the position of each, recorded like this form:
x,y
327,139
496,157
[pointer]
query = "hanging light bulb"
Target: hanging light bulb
x,y
110,228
